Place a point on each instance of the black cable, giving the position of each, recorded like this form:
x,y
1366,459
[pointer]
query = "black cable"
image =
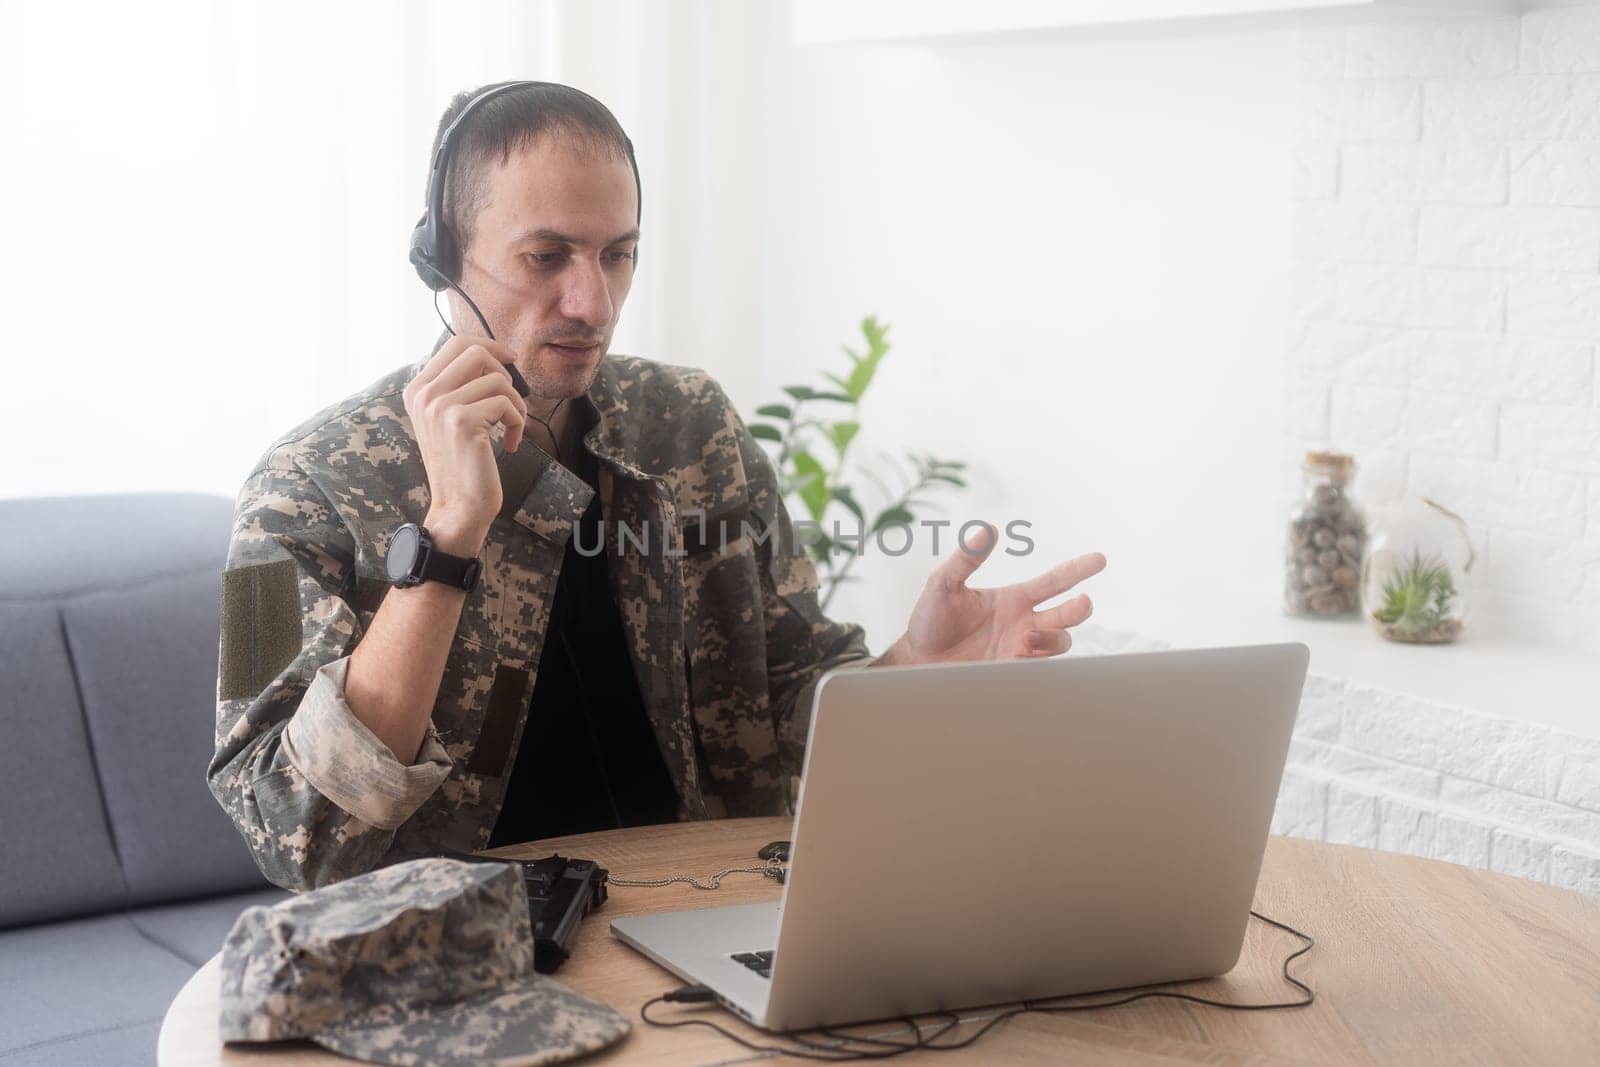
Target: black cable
x,y
546,424
443,277
922,1039
515,375
811,1050
440,312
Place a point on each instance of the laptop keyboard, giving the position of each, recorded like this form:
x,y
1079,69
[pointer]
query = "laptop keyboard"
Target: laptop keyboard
x,y
759,962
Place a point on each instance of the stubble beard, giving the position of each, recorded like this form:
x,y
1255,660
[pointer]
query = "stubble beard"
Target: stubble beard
x,y
560,383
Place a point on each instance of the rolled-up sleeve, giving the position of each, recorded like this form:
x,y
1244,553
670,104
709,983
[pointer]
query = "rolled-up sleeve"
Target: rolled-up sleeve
x,y
315,794
347,763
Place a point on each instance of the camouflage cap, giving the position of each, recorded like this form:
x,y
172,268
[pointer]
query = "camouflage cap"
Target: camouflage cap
x,y
426,962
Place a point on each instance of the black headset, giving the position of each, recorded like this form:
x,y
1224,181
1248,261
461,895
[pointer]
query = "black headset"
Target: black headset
x,y
434,252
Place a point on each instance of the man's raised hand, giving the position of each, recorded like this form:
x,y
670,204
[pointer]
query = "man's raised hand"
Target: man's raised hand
x,y
952,622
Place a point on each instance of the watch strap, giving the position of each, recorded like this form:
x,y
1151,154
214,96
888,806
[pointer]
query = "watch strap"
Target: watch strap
x,y
458,572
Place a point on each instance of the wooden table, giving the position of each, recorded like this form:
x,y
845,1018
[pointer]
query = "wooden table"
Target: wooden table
x,y
1416,961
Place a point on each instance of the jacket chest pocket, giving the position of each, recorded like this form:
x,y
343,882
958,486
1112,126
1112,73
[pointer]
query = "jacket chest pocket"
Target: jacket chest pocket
x,y
722,592
725,639
489,675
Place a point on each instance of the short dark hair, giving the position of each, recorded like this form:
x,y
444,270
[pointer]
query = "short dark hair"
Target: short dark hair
x,y
510,121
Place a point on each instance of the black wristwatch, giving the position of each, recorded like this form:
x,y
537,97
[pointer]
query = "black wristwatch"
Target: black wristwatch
x,y
411,560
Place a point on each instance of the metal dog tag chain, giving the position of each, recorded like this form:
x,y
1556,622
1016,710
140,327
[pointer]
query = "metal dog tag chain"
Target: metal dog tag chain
x,y
773,869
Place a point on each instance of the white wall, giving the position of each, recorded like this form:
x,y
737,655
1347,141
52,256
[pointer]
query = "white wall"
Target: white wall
x,y
1083,250
1448,246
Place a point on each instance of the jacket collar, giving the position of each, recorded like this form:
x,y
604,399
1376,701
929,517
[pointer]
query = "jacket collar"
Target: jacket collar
x,y
614,437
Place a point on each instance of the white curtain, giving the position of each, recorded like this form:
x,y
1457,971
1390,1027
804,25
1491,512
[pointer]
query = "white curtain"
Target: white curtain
x,y
209,201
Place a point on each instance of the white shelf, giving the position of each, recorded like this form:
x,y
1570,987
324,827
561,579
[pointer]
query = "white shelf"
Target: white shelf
x,y
1492,675
891,21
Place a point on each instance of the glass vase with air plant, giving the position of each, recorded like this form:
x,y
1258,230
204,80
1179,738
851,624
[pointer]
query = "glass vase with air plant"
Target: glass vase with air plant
x,y
1415,582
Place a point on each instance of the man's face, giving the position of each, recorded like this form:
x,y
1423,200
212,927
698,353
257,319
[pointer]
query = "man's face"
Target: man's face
x,y
550,259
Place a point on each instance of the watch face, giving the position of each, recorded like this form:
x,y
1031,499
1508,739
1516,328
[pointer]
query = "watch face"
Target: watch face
x,y
401,559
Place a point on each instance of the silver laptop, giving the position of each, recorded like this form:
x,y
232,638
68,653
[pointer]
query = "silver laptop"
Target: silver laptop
x,y
986,833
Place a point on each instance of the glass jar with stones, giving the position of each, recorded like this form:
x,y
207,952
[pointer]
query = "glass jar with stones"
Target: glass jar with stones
x,y
1327,536
1415,582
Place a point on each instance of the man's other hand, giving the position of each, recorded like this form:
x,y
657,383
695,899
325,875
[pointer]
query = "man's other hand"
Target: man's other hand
x,y
953,623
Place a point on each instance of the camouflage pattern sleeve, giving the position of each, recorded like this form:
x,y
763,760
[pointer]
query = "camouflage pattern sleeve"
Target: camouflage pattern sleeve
x,y
802,642
316,795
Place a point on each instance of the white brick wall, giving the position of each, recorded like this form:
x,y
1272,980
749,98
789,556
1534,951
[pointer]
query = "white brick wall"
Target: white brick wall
x,y
1556,42
1382,769
1446,302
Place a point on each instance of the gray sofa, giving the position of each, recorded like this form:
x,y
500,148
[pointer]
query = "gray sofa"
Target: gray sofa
x,y
119,875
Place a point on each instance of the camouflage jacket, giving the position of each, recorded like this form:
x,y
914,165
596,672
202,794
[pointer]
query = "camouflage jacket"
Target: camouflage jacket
x,y
721,616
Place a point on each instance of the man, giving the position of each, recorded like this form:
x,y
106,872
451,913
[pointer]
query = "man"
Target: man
x,y
361,722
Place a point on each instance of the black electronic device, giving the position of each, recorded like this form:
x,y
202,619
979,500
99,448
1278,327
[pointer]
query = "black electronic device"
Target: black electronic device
x,y
561,891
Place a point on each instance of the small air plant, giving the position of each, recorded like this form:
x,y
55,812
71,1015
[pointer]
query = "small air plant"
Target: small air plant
x,y
1418,598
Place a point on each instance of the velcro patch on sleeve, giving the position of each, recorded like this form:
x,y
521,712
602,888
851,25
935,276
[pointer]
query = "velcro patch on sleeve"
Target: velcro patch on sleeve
x,y
261,626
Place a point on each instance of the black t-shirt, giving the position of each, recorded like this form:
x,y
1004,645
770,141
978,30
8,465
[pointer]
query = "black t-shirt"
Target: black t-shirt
x,y
588,727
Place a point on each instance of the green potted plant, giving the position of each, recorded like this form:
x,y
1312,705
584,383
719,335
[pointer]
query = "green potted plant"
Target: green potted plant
x,y
810,436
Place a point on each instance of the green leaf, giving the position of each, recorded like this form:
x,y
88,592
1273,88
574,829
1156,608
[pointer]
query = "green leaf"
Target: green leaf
x,y
867,365
874,331
814,488
938,476
802,480
775,411
836,380
842,433
805,392
892,516
761,431
843,495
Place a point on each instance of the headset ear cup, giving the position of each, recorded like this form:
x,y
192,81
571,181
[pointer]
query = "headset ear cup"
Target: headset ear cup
x,y
424,256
